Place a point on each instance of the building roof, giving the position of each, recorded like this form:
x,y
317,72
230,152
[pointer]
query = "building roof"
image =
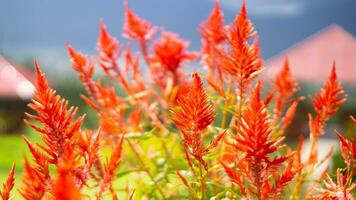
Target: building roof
x,y
311,59
15,82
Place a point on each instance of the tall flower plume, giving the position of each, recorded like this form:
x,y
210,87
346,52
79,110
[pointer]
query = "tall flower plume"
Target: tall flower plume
x,y
213,36
170,51
8,184
195,115
63,146
108,46
348,148
136,28
242,61
84,67
103,99
53,112
34,183
285,87
341,189
212,29
254,140
326,103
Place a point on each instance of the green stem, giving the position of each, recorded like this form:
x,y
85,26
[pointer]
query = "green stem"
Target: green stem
x,y
146,169
202,183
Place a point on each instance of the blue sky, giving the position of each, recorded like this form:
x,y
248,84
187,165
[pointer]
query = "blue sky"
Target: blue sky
x,y
40,28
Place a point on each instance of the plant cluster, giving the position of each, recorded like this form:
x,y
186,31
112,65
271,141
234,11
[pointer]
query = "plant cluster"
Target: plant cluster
x,y
160,135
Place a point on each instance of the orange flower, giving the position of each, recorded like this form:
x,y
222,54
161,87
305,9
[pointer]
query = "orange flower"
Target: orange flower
x,y
107,45
243,61
84,67
348,148
8,185
254,132
196,112
109,170
284,83
254,140
136,28
326,103
342,189
57,119
64,187
170,51
212,29
285,87
194,115
213,33
34,183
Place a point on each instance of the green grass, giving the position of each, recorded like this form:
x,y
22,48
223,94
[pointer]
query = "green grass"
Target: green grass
x,y
12,150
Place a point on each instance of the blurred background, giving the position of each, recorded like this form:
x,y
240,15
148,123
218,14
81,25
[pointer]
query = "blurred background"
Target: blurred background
x,y
311,33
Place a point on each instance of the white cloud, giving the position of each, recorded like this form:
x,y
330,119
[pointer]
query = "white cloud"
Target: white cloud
x,y
268,8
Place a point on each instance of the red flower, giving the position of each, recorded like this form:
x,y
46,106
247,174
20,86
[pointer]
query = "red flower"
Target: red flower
x,y
136,28
64,187
84,67
170,51
348,148
254,140
107,45
326,103
196,112
194,115
212,29
342,189
213,33
284,83
242,61
57,119
285,87
34,183
8,185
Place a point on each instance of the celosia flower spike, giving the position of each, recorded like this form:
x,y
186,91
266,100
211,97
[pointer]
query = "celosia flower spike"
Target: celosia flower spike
x,y
33,183
196,112
326,103
84,67
243,60
107,45
212,29
110,51
245,29
285,87
254,140
213,32
57,119
8,185
342,189
136,28
170,51
254,133
194,115
109,169
284,83
348,148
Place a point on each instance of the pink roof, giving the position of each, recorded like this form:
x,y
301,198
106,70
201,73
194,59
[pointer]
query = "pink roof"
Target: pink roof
x,y
311,60
13,84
